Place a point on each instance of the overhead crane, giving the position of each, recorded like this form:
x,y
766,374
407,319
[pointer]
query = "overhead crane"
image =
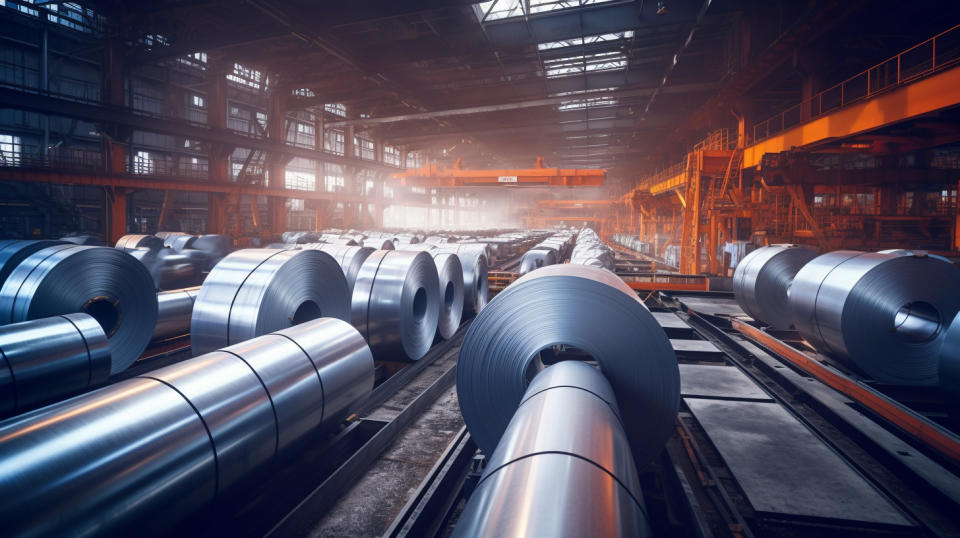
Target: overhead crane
x,y
437,175
731,182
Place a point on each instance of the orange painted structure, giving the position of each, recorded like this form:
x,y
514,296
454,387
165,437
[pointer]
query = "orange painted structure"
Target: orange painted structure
x,y
436,175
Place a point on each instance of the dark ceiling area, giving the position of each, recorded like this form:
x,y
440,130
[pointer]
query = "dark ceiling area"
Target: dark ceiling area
x,y
619,84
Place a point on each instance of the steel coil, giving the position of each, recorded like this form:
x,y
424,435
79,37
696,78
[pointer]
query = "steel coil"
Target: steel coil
x,y
162,445
134,241
350,258
106,283
174,309
12,252
475,285
949,367
450,273
256,291
84,239
214,246
761,281
585,307
179,242
396,303
550,476
42,360
883,313
537,258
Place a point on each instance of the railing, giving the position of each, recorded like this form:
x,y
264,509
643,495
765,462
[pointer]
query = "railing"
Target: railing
x,y
719,140
938,53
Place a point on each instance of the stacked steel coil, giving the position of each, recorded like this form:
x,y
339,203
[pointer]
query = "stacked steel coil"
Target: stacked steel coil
x,y
179,241
883,313
632,242
762,278
12,252
135,241
949,365
162,445
450,273
256,291
174,309
214,246
396,303
108,284
563,467
584,307
475,264
537,258
45,359
590,250
350,258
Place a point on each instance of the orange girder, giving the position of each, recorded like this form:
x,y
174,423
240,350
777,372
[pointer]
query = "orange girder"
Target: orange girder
x,y
435,175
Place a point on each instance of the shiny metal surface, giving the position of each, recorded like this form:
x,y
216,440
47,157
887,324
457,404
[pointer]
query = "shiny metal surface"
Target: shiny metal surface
x,y
174,309
106,283
762,278
590,250
256,291
179,242
563,466
45,359
350,258
214,246
585,307
133,241
12,252
157,447
474,260
883,313
950,364
450,273
537,258
396,303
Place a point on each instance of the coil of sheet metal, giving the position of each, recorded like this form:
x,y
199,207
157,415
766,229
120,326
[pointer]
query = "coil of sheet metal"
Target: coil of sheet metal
x,y
585,307
883,313
475,285
130,242
84,239
762,278
257,291
380,244
571,484
174,309
45,359
450,273
215,246
175,439
12,252
179,242
949,367
396,303
350,258
537,258
106,283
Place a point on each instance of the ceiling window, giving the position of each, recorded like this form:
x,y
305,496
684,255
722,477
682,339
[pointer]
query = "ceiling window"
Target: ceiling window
x,y
196,59
246,76
590,102
492,10
338,109
588,40
585,63
304,92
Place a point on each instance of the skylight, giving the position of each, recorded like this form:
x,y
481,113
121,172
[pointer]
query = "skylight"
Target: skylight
x,y
492,10
590,102
585,63
588,40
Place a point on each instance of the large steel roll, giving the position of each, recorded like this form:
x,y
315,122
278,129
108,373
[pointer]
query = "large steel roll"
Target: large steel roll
x,y
215,246
257,291
380,244
179,242
884,313
396,303
106,283
537,258
158,447
563,468
584,307
450,273
174,309
475,284
350,258
45,359
134,241
762,278
949,367
12,252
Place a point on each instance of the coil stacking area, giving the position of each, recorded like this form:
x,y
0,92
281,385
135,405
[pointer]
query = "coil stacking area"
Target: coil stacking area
x,y
480,269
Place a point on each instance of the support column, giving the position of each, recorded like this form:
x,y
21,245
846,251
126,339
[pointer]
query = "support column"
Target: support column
x,y
219,155
116,213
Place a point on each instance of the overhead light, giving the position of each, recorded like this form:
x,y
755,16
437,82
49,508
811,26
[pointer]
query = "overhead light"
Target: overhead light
x,y
661,8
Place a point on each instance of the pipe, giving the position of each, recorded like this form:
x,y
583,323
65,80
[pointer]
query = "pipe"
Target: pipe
x,y
174,309
158,447
45,359
563,466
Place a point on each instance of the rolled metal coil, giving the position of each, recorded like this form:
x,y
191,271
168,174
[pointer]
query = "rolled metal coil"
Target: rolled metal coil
x,y
174,309
396,303
380,244
179,242
475,284
949,367
165,235
761,281
42,360
585,307
84,239
106,283
135,241
214,246
537,258
450,273
256,291
176,439
350,258
549,475
883,313
12,252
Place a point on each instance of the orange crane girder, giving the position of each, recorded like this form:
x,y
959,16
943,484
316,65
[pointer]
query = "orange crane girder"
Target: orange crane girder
x,y
435,175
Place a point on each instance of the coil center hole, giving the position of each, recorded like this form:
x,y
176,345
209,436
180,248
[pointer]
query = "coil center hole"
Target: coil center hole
x,y
917,321
420,304
305,312
105,312
448,296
